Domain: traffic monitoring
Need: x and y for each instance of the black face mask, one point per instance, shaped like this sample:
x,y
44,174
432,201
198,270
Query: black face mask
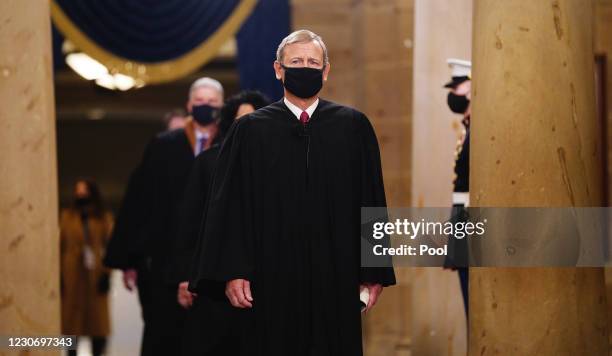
x,y
203,114
303,82
458,103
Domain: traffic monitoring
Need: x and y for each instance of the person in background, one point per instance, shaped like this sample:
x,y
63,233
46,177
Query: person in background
x,y
85,229
209,314
458,100
175,119
134,209
192,207
163,174
245,102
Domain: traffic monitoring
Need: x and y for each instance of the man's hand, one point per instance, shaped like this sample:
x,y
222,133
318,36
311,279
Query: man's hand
x,y
238,291
375,290
184,296
130,277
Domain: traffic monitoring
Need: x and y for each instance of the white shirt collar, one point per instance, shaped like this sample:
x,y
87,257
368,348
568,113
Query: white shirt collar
x,y
297,111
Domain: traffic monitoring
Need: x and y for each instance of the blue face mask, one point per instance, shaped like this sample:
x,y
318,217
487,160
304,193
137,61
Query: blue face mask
x,y
203,114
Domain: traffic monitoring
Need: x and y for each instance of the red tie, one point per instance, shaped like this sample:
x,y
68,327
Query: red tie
x,y
304,117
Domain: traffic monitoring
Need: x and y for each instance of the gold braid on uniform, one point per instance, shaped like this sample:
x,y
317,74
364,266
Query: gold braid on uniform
x,y
458,149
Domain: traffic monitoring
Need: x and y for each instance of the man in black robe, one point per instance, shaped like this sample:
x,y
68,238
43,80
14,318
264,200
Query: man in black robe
x,y
121,252
123,244
210,313
163,173
282,225
193,204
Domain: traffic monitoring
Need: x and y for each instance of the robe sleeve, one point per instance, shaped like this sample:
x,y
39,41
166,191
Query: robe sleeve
x,y
372,193
191,216
225,249
121,251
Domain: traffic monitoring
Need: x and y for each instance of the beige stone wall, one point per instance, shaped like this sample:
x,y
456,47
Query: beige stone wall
x,y
29,292
443,29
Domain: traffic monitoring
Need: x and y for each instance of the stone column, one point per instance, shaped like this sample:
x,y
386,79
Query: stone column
x,y
603,46
29,252
535,142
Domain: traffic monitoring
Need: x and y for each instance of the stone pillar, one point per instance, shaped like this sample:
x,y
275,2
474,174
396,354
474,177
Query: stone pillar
x,y
29,253
535,142
603,46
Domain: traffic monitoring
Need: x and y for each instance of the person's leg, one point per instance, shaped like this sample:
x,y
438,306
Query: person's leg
x,y
98,345
208,328
164,328
144,291
174,317
74,352
145,296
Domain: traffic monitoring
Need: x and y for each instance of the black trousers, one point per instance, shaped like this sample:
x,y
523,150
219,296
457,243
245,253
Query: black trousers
x,y
214,327
458,254
165,322
145,297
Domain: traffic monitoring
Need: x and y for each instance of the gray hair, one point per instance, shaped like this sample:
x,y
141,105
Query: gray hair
x,y
206,82
301,36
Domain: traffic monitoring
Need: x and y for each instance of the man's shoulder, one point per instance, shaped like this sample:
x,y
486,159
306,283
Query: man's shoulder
x,y
325,108
209,154
344,112
168,138
171,135
262,117
336,108
275,109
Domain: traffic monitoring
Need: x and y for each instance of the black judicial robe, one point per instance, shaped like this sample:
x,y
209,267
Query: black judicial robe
x,y
126,240
190,215
127,237
211,316
132,212
284,213
167,169
123,250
